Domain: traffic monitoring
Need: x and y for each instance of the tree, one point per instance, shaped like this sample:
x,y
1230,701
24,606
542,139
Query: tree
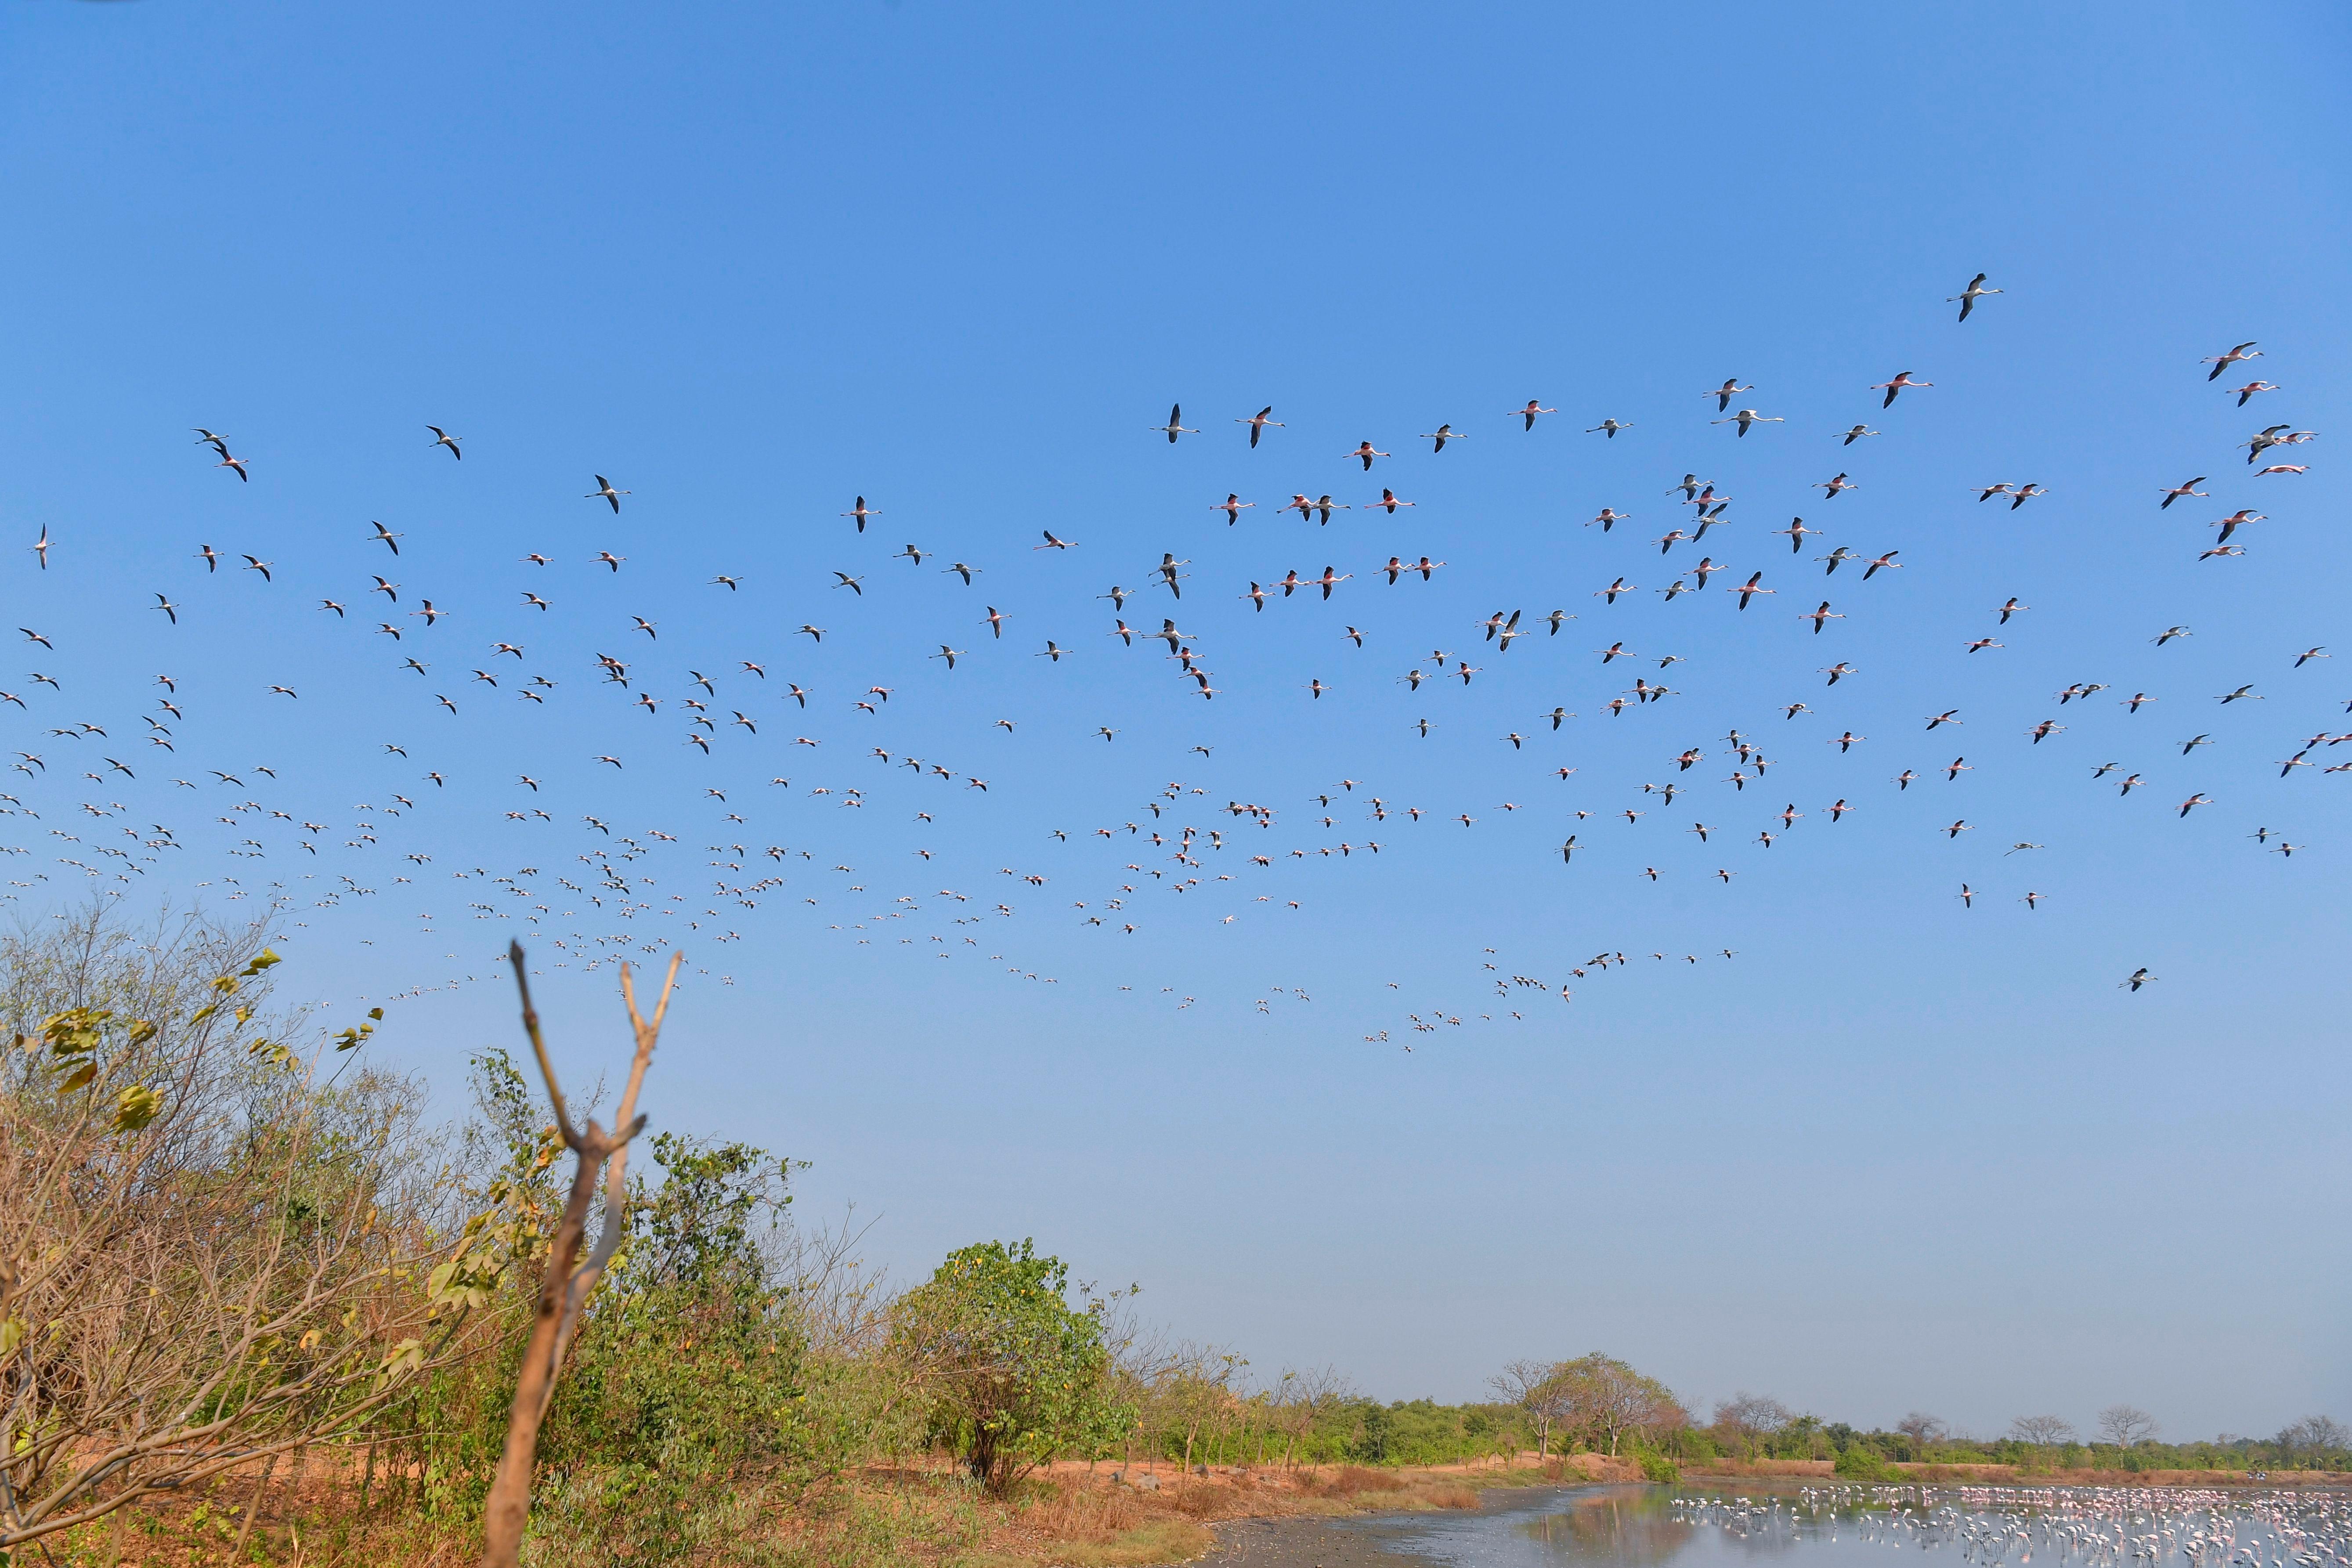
x,y
2126,1425
1922,1429
1608,1399
1374,1424
2314,1435
1012,1373
1195,1391
1302,1399
1750,1418
1535,1387
2042,1431
215,1248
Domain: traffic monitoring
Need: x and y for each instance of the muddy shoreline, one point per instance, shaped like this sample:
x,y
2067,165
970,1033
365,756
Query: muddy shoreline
x,y
1303,1543
1361,1540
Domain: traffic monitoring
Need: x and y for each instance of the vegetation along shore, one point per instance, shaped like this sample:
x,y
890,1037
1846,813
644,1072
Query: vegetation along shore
x,y
255,1306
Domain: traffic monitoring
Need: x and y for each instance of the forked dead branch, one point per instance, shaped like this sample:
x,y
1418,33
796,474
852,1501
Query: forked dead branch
x,y
565,1288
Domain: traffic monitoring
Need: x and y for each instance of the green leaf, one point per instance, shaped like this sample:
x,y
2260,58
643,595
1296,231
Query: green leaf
x,y
75,1031
79,1076
135,1107
403,1357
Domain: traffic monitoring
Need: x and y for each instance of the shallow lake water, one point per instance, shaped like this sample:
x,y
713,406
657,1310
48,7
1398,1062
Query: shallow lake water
x,y
1852,1527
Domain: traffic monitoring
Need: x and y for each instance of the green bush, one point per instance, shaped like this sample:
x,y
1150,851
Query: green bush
x,y
1372,1441
1656,1467
1016,1374
1861,1462
685,1379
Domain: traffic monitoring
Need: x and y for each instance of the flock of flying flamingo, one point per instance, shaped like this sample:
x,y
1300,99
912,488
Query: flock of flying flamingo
x,y
1187,838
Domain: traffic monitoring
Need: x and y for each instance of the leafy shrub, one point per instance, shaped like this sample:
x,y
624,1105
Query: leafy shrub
x,y
1015,1373
1372,1444
1861,1462
685,1379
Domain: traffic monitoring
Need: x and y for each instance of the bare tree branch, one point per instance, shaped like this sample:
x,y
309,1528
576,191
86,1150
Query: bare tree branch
x,y
565,1288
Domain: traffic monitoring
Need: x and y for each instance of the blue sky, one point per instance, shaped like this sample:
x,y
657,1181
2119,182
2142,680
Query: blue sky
x,y
1899,1152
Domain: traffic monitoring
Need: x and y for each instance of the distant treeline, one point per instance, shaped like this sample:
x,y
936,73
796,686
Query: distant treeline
x,y
1358,1430
1552,1409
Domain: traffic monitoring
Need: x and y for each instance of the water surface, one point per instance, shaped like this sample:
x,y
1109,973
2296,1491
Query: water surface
x,y
1852,1527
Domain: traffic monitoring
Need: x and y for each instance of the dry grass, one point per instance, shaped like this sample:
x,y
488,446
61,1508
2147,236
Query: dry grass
x,y
1157,1541
322,1527
1095,1513
1099,1523
1163,1541
1351,1480
916,1516
1578,1467
1088,1521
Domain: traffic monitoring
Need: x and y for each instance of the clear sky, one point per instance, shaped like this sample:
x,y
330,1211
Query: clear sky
x,y
1898,1152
